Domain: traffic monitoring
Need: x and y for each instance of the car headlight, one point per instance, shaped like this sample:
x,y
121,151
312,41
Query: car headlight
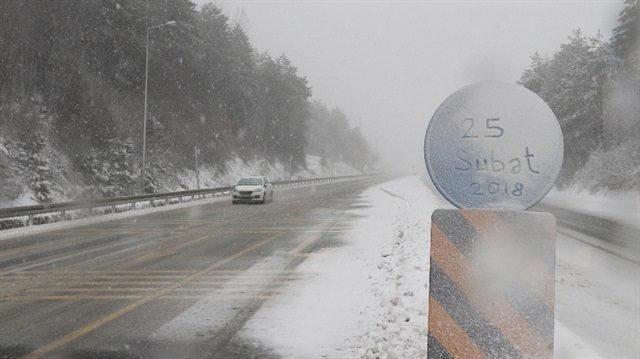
x,y
257,190
235,190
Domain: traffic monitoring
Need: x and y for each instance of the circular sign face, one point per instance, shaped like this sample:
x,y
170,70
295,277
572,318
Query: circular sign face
x,y
493,146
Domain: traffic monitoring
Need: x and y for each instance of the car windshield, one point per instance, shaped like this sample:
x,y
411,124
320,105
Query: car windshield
x,y
250,181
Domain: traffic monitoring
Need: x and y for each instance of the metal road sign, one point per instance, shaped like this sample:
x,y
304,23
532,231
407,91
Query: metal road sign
x,y
491,284
493,146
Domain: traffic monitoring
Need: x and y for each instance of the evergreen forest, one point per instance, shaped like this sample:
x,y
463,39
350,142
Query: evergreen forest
x,y
74,75
593,87
73,80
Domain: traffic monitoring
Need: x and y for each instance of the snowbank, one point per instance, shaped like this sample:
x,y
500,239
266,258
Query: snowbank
x,y
211,177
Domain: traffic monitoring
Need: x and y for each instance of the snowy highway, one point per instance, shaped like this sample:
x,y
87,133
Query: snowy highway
x,y
451,179
326,271
171,284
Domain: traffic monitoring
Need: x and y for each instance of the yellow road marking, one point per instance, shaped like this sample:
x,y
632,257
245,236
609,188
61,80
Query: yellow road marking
x,y
297,251
238,287
143,273
129,297
113,281
68,297
201,296
69,272
225,231
162,292
55,243
270,221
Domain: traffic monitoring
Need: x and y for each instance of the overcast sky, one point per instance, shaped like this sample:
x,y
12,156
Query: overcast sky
x,y
389,64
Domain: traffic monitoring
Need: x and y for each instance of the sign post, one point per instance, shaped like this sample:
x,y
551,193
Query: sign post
x,y
493,150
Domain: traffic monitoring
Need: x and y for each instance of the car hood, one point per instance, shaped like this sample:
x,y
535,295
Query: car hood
x,y
248,188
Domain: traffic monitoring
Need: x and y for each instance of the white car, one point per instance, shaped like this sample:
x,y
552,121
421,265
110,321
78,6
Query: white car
x,y
255,189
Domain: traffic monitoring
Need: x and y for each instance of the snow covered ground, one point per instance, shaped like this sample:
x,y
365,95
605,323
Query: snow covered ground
x,y
236,168
368,298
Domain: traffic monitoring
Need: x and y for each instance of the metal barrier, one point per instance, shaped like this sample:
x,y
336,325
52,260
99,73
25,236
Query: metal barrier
x,y
613,236
63,207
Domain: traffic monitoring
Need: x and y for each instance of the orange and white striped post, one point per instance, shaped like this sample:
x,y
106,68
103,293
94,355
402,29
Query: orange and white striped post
x,y
491,284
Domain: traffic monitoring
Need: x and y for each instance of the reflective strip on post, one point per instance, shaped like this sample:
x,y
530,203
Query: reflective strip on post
x,y
491,284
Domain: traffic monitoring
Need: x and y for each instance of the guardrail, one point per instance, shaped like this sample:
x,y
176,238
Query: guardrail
x,y
110,203
610,235
613,236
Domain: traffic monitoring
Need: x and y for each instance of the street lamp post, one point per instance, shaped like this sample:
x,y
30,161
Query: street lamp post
x,y
197,152
144,124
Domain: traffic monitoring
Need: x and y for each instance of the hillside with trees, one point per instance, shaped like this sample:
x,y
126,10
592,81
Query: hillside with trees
x,y
72,81
333,139
593,87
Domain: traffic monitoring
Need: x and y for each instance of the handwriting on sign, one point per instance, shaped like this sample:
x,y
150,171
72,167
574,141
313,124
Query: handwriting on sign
x,y
466,162
493,145
515,190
